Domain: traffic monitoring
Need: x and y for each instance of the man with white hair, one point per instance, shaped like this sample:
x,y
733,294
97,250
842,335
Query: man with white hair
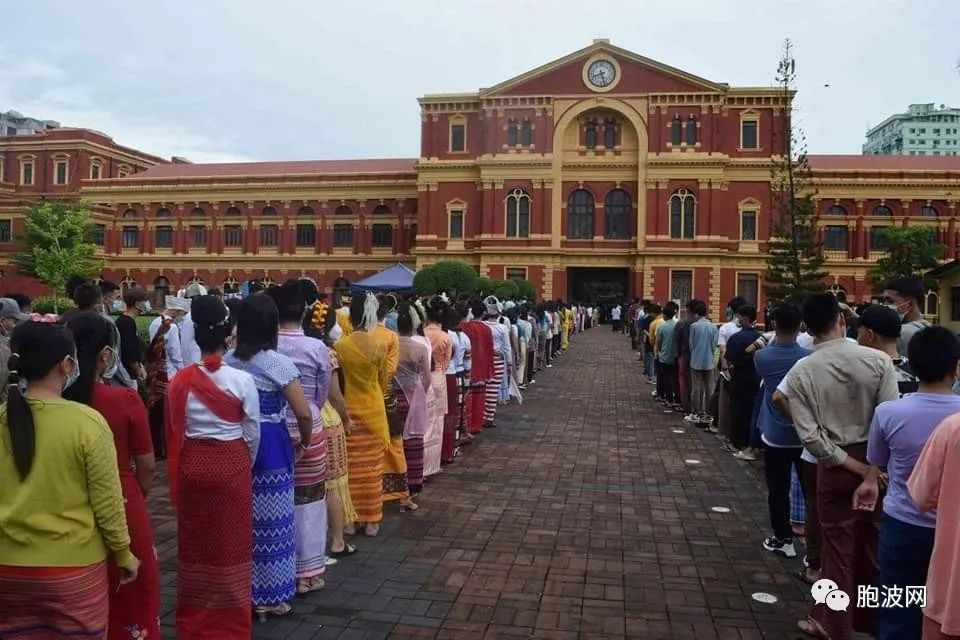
x,y
188,344
164,361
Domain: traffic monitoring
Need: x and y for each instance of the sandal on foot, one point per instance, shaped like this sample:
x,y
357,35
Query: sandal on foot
x,y
813,629
279,610
371,530
310,584
348,550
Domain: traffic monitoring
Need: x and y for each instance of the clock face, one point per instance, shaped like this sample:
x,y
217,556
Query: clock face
x,y
601,73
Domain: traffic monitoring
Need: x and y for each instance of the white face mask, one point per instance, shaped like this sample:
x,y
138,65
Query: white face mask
x,y
896,309
73,375
114,364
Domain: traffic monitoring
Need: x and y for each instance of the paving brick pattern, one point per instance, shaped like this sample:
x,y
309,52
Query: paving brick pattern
x,y
577,517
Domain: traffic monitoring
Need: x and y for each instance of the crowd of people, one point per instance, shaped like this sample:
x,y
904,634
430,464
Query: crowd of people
x,y
287,426
856,416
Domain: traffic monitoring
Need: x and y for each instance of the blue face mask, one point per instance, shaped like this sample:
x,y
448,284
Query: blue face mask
x,y
146,308
117,306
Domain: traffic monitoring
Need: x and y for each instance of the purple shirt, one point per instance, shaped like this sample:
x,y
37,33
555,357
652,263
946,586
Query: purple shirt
x,y
312,359
899,430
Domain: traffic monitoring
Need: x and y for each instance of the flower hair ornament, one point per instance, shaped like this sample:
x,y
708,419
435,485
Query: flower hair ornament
x,y
370,308
46,318
318,319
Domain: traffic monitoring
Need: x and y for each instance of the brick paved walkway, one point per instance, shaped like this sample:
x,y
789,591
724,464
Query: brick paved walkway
x,y
577,518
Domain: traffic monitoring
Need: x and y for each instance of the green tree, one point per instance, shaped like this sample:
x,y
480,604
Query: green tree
x,y
528,292
425,281
795,260
55,244
506,289
454,277
910,251
484,287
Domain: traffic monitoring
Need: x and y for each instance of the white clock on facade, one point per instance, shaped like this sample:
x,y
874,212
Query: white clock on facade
x,y
601,73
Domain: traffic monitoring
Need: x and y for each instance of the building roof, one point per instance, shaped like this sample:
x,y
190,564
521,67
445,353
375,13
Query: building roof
x,y
944,270
283,168
883,163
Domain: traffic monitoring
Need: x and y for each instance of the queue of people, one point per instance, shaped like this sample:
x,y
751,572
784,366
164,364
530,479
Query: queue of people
x,y
856,419
286,427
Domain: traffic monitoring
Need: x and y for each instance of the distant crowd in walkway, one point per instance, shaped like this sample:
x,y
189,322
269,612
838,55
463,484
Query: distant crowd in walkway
x,y
287,426
857,420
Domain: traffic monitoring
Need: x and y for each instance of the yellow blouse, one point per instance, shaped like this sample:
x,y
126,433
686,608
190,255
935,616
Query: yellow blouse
x,y
363,360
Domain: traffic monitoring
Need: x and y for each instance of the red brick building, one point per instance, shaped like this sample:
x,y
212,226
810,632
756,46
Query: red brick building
x,y
602,171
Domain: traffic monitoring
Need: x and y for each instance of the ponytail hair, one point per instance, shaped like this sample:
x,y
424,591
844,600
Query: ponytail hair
x,y
91,333
36,348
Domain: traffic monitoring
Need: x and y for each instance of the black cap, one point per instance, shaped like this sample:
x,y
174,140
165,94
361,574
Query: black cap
x,y
881,320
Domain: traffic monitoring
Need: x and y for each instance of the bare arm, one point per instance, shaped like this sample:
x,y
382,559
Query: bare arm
x,y
335,396
781,403
145,465
293,392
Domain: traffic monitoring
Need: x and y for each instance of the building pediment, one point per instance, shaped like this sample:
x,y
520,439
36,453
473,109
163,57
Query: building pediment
x,y
631,74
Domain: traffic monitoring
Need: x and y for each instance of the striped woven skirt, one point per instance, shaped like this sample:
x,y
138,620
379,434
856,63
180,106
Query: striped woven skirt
x,y
436,411
337,477
493,390
365,455
274,546
395,471
310,504
215,548
48,603
413,453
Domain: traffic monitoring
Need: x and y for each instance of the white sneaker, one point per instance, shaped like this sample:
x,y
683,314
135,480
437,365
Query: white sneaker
x,y
780,547
692,417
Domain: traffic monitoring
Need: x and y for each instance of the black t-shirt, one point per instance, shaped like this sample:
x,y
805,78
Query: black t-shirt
x,y
129,342
743,371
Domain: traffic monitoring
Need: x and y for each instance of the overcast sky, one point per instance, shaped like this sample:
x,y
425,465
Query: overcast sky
x,y
218,80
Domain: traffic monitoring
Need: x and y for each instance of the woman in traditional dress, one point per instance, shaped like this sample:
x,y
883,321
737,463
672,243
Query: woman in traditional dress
x,y
453,420
480,371
312,360
413,382
213,431
394,461
502,359
363,360
442,352
278,385
135,607
53,570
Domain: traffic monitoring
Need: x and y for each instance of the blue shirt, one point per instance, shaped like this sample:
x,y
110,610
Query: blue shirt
x,y
666,336
898,433
772,363
703,345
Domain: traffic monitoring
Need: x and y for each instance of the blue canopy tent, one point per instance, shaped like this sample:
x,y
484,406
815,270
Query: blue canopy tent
x,y
397,278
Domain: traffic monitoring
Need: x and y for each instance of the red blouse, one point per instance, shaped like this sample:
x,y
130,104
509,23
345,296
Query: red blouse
x,y
124,411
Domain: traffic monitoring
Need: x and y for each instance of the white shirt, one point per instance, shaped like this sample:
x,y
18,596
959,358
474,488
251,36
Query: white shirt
x,y
456,355
501,340
465,362
188,344
201,423
171,345
615,313
727,329
805,340
784,388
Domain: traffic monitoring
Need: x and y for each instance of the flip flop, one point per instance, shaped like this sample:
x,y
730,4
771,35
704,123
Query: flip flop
x,y
812,628
348,550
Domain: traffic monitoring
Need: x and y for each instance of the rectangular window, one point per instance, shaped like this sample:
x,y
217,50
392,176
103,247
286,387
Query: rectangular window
x,y
198,236
26,173
748,230
60,172
456,224
526,133
131,237
458,137
95,172
11,131
6,231
306,235
836,238
343,235
748,287
516,273
163,236
98,234
233,236
955,303
268,235
748,134
681,286
877,241
382,235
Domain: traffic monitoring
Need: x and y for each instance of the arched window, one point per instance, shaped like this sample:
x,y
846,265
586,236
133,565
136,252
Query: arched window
x,y
306,231
518,214
268,212
305,211
233,212
683,212
343,210
526,133
513,133
676,131
927,211
591,134
580,214
691,131
164,213
882,210
836,210
381,210
129,213
127,283
610,133
197,213
616,214
233,233
231,286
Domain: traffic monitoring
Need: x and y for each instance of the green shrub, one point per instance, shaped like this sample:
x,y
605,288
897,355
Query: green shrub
x,y
47,304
